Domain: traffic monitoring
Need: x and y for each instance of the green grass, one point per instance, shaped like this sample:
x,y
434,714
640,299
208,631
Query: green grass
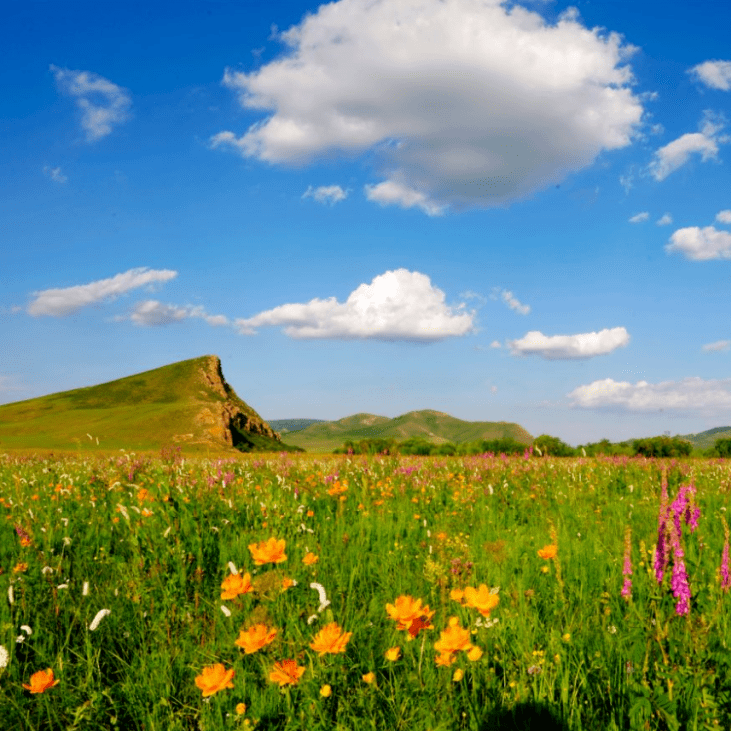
x,y
151,540
434,426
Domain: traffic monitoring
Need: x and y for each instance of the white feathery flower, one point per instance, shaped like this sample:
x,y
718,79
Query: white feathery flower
x,y
232,568
323,595
99,616
20,639
26,629
226,611
167,531
11,594
312,618
85,589
66,541
4,657
46,570
62,586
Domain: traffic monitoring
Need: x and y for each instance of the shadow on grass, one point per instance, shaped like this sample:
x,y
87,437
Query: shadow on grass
x,y
524,717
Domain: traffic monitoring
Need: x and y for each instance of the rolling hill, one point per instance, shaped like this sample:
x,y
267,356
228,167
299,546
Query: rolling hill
x,y
188,403
434,426
706,439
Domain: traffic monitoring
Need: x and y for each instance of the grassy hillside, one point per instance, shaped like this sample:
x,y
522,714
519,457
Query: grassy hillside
x,y
187,403
704,440
288,425
434,426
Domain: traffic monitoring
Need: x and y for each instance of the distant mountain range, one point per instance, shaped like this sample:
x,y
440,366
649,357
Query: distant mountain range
x,y
706,439
434,426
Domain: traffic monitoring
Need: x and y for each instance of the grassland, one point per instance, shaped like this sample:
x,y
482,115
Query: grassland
x,y
433,426
562,643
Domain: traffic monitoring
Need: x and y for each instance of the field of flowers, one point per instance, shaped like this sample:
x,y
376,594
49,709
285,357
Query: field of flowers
x,y
299,592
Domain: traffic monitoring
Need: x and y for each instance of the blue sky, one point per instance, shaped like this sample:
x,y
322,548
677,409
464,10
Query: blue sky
x,y
516,212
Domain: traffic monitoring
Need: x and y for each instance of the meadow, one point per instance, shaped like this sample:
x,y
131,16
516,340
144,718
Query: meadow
x,y
348,592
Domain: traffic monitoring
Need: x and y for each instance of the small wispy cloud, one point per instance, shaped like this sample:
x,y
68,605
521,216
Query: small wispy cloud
x,y
103,104
495,344
570,347
63,301
718,347
723,216
393,192
510,300
639,217
55,174
329,194
152,313
714,74
665,220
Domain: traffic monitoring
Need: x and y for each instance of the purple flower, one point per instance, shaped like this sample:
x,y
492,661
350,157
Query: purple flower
x,y
725,576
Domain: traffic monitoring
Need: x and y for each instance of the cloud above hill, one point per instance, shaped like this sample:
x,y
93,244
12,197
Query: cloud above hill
x,y
462,103
690,394
396,305
64,301
570,347
152,313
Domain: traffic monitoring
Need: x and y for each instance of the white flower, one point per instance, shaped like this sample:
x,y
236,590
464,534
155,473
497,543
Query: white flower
x,y
225,610
85,589
99,616
4,657
312,618
20,639
46,570
232,568
26,629
323,596
66,541
11,594
62,586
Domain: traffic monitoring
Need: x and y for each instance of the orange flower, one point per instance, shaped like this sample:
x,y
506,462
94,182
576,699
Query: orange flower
x,y
310,513
445,659
337,488
214,678
481,599
287,582
369,678
456,595
235,584
271,551
19,568
326,691
330,639
393,654
474,654
454,638
286,672
41,681
309,559
410,614
548,551
254,638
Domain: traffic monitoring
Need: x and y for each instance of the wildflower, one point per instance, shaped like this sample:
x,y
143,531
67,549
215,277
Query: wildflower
x,y
286,672
369,678
326,691
330,639
254,638
393,654
41,681
723,571
214,678
310,559
454,638
456,595
410,615
98,618
226,611
445,659
240,709
269,551
548,551
566,637
4,657
474,654
19,568
627,568
458,675
287,583
320,589
482,599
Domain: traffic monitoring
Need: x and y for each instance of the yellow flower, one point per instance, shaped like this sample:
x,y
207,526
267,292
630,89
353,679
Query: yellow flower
x,y
326,691
410,615
474,654
458,675
481,599
369,678
548,551
286,672
235,584
456,595
286,583
544,569
330,639
445,658
269,551
19,568
566,637
310,513
309,559
41,681
393,654
214,678
241,708
254,638
454,638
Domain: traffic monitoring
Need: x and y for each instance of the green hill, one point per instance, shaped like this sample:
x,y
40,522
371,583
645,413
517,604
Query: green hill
x,y
187,403
706,439
287,425
433,426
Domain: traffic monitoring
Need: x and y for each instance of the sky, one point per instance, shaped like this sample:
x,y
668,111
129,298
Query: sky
x,y
503,211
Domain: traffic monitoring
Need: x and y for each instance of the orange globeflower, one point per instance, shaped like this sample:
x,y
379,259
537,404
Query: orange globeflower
x,y
254,638
409,614
41,681
393,654
286,672
457,595
548,551
481,599
454,638
271,551
214,678
236,584
330,639
310,558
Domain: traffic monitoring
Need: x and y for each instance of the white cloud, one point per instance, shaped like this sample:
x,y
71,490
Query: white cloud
x,y
569,347
55,174
665,220
639,217
326,194
715,74
677,153
151,313
495,344
690,394
700,244
396,305
723,216
513,303
717,347
103,104
465,103
60,302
